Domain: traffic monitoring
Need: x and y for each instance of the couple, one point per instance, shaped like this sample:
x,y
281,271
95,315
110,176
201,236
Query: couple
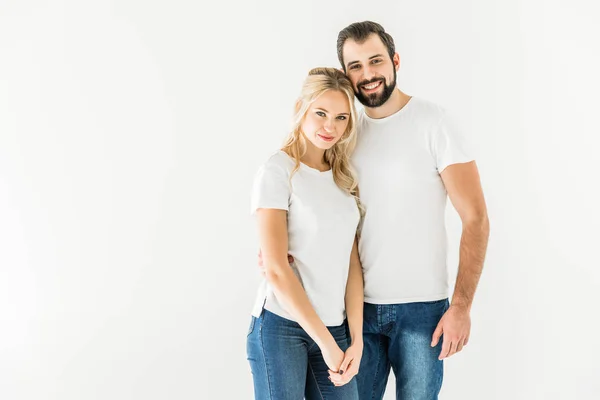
x,y
323,313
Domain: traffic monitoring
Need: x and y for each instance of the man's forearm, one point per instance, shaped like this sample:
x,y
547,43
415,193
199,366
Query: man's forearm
x,y
473,246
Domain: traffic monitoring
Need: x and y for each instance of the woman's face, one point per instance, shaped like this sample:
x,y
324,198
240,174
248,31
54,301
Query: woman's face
x,y
326,119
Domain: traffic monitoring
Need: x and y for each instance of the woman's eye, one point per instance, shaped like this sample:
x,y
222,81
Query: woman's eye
x,y
320,113
342,117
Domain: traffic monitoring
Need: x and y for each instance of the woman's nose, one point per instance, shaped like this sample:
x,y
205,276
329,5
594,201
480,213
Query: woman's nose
x,y
329,127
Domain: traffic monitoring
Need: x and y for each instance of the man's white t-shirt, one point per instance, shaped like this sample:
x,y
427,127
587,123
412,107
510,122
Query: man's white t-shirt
x,y
403,237
322,221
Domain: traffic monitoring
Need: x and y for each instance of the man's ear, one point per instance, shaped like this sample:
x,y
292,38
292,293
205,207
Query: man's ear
x,y
396,61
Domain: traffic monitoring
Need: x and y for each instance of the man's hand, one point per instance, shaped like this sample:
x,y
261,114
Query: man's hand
x,y
456,327
349,366
260,261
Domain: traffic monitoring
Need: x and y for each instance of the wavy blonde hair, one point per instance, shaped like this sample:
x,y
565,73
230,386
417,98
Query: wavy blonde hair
x,y
318,81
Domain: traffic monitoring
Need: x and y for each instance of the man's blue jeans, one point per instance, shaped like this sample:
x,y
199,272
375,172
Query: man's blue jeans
x,y
288,365
399,336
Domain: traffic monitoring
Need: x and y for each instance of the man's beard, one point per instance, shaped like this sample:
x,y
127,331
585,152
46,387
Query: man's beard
x,y
376,99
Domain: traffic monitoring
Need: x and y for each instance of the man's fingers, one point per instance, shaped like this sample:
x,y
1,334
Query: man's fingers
x,y
453,347
335,376
445,348
460,345
341,379
341,382
436,335
336,379
260,260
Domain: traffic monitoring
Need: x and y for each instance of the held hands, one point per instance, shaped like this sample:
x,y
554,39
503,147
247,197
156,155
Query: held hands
x,y
342,366
455,325
349,366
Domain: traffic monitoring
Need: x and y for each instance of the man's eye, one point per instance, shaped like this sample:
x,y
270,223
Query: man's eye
x,y
355,67
376,61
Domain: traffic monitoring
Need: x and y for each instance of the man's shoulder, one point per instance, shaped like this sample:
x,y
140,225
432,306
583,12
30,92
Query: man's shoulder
x,y
426,109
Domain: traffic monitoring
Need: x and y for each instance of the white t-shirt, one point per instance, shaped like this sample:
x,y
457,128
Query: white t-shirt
x,y
403,238
322,221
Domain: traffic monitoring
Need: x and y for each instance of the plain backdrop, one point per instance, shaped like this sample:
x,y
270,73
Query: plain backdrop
x,y
130,132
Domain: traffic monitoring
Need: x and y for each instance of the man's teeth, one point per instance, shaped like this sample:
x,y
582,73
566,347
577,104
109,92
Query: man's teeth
x,y
371,86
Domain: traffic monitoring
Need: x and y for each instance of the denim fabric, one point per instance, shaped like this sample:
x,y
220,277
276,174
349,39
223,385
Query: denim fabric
x,y
399,336
287,364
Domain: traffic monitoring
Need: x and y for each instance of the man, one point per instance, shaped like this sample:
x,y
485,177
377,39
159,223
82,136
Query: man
x,y
408,160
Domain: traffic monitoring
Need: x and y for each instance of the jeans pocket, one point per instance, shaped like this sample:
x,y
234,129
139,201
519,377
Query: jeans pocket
x,y
251,327
340,336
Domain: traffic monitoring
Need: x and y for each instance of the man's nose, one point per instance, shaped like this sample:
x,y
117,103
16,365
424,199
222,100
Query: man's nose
x,y
368,74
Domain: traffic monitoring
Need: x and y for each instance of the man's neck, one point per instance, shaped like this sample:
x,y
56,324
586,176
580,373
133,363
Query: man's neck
x,y
395,103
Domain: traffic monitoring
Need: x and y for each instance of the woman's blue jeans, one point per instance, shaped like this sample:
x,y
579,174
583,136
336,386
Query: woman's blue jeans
x,y
288,365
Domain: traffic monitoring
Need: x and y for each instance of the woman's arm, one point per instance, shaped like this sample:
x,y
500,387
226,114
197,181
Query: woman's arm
x,y
355,297
273,238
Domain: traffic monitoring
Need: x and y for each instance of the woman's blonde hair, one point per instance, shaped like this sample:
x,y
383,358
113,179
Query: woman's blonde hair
x,y
318,81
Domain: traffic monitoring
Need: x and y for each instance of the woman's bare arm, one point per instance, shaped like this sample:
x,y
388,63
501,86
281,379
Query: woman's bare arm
x,y
273,237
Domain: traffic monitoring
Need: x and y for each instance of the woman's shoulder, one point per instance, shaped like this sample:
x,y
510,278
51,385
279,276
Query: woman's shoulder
x,y
280,160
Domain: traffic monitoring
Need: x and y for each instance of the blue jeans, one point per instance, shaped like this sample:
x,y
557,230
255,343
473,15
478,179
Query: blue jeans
x,y
399,336
288,365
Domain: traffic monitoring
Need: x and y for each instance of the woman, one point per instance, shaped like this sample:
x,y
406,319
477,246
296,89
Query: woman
x,y
305,201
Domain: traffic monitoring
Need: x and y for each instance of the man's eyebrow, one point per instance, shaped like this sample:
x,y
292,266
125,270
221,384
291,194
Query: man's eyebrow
x,y
370,58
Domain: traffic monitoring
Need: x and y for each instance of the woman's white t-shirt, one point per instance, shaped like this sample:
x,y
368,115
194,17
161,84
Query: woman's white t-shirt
x,y
322,221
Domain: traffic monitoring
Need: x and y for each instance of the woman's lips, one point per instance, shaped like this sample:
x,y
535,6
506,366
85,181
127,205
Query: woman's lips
x,y
325,138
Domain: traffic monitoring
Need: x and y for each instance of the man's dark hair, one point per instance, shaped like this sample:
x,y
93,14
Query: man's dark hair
x,y
360,32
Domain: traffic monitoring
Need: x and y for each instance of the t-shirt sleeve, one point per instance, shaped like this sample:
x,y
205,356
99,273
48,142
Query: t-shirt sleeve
x,y
449,145
271,188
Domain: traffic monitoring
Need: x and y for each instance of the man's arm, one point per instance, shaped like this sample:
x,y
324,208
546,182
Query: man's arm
x,y
464,190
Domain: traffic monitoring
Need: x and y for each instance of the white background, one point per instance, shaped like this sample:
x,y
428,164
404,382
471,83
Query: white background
x,y
129,135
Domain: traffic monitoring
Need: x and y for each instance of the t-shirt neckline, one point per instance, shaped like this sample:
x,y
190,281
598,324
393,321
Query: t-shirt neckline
x,y
307,168
385,119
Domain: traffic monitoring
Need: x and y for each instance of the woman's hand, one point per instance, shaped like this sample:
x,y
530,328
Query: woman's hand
x,y
349,366
333,355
